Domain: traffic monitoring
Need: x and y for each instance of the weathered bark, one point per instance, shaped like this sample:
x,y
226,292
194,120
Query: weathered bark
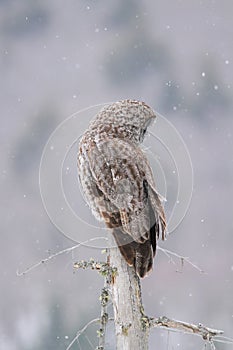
x,y
127,305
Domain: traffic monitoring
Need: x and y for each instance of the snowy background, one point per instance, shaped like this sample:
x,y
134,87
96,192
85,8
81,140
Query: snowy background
x,y
59,57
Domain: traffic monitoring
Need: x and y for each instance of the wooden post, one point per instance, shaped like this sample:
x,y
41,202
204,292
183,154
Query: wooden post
x,y
127,305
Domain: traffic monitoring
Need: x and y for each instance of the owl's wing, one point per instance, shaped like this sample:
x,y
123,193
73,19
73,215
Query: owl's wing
x,y
90,190
92,194
120,172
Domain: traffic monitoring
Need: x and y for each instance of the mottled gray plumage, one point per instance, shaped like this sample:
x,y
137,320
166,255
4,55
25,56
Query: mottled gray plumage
x,y
118,183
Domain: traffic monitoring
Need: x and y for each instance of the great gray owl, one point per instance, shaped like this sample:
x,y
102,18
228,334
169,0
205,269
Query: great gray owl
x,y
118,183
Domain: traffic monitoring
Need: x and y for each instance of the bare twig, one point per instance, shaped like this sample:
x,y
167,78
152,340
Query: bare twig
x,y
209,335
104,300
182,259
67,250
102,267
105,269
224,340
80,332
205,332
109,273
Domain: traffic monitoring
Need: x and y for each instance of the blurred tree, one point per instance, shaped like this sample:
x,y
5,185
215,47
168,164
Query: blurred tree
x,y
124,13
171,96
24,18
61,331
212,95
136,56
30,144
139,54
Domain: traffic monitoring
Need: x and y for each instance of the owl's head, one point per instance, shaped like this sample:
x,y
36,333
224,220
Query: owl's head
x,y
127,119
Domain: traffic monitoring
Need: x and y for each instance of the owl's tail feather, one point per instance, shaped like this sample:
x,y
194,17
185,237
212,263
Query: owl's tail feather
x,y
138,255
143,259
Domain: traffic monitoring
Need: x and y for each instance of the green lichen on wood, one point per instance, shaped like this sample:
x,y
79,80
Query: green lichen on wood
x,y
104,296
103,268
125,328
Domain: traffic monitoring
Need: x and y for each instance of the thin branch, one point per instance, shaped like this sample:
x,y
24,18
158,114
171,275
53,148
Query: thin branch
x,y
210,335
104,300
101,332
167,252
109,273
182,259
206,333
225,340
205,346
102,267
67,250
212,346
81,331
89,342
